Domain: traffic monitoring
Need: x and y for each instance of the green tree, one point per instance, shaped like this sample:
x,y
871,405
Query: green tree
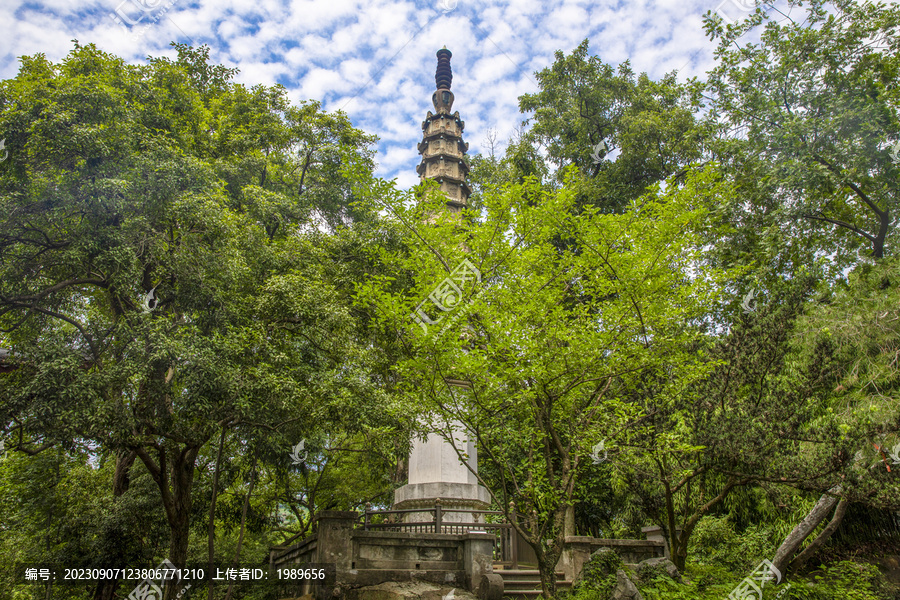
x,y
537,362
158,279
817,103
854,319
586,110
760,415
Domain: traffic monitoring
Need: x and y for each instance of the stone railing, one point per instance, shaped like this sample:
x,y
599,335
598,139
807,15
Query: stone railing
x,y
369,557
386,546
300,553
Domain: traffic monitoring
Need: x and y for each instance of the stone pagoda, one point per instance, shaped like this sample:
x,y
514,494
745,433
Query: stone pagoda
x,y
442,148
436,473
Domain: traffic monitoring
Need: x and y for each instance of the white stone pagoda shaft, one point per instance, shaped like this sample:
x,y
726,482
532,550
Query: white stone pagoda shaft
x,y
436,472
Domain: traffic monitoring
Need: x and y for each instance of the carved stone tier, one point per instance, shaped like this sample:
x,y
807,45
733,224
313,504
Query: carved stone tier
x,y
437,474
442,148
463,496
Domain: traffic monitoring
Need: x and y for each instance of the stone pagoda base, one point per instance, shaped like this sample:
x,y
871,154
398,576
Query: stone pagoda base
x,y
465,496
436,474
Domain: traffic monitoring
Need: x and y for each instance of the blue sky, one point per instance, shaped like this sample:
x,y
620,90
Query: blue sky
x,y
375,59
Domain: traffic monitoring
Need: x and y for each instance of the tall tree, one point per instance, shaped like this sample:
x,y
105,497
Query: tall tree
x,y
817,102
586,113
537,359
759,415
155,281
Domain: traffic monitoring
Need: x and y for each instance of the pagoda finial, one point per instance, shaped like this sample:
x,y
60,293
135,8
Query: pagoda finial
x,y
443,76
442,148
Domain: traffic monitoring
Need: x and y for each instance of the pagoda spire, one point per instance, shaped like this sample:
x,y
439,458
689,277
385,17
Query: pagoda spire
x,y
442,148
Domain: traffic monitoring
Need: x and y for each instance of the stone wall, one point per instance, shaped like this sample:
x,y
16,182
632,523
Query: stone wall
x,y
365,558
298,554
578,550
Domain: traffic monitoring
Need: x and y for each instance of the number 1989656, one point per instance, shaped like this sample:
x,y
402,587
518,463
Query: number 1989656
x,y
301,574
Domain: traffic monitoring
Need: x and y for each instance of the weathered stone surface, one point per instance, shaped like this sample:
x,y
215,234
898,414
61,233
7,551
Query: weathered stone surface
x,y
491,587
890,566
409,591
652,567
602,564
625,588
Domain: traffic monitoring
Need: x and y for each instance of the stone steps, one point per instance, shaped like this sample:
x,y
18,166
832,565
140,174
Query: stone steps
x,y
525,584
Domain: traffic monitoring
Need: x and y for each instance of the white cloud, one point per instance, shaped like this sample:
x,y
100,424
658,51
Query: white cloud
x,y
376,59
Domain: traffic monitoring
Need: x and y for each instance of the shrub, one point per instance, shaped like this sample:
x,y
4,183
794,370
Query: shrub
x,y
845,580
704,576
598,576
715,542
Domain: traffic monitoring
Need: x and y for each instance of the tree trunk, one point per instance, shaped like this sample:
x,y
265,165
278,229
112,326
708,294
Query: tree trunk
x,y
50,516
546,560
106,588
122,476
795,538
678,540
176,501
823,537
547,567
211,537
182,481
678,543
237,553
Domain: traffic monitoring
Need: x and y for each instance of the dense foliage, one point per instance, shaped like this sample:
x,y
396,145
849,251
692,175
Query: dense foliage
x,y
670,304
